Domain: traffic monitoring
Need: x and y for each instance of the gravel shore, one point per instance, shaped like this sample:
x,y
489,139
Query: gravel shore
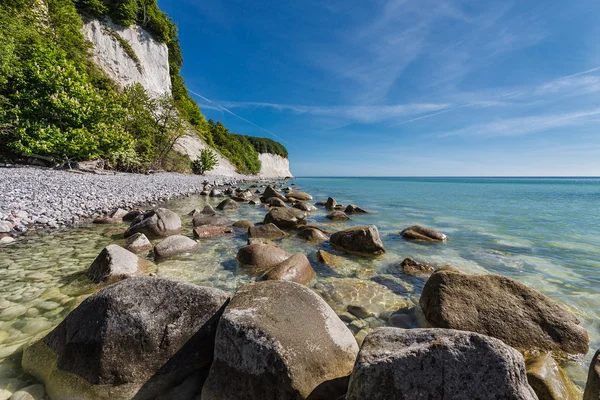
x,y
45,198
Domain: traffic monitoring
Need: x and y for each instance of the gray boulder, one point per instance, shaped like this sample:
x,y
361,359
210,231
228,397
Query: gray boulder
x,y
360,239
156,223
286,218
175,245
138,243
503,308
297,269
228,205
437,364
423,234
134,339
267,231
278,340
114,262
260,258
592,386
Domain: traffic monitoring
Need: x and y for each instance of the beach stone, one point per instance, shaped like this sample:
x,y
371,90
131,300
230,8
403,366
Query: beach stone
x,y
286,218
592,386
270,192
503,308
352,209
261,257
297,269
299,196
243,224
156,223
207,231
548,380
8,386
32,392
228,205
212,220
114,262
119,214
208,210
304,206
176,245
360,239
275,202
338,216
278,340
412,267
133,339
330,204
437,364
5,227
312,234
138,243
423,234
267,231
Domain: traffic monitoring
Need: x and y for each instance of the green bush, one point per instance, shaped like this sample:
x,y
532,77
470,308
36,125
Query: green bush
x,y
206,161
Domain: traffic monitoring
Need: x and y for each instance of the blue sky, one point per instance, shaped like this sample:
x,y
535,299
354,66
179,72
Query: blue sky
x,y
403,87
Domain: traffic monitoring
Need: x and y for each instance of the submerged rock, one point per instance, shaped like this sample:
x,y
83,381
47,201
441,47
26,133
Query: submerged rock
x,y
286,218
548,380
592,386
360,239
297,269
503,308
138,243
176,245
156,223
228,205
208,231
267,231
327,258
134,339
423,234
114,262
338,216
278,340
437,364
352,209
412,267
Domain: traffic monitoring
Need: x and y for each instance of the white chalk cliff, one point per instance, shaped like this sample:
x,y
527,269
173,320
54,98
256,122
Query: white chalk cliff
x,y
152,72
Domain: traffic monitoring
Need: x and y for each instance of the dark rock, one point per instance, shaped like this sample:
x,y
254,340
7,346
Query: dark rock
x,y
213,220
412,267
423,234
338,216
278,340
503,308
358,311
208,231
138,243
228,205
360,239
437,364
175,245
131,215
243,223
548,380
321,203
114,262
330,204
352,209
270,192
286,218
267,231
260,258
313,234
134,339
297,269
592,386
156,223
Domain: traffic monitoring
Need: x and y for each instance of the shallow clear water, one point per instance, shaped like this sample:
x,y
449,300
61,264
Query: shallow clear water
x,y
543,232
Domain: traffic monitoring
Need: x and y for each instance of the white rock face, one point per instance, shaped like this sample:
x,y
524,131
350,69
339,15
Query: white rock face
x,y
274,166
108,53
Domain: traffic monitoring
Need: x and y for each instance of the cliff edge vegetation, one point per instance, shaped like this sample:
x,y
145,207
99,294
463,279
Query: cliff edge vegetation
x,y
55,102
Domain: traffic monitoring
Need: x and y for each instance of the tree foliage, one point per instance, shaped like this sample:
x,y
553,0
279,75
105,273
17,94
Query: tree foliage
x,y
206,161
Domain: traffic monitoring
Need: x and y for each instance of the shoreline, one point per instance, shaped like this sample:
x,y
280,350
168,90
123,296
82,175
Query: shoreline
x,y
38,198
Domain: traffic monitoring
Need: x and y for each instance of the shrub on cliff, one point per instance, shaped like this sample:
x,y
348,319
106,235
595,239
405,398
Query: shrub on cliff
x,y
206,161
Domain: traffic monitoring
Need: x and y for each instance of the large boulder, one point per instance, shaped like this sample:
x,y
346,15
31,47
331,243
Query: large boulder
x,y
360,239
286,218
212,220
278,340
297,269
267,231
156,223
423,234
133,339
592,386
548,380
228,205
114,262
299,196
175,246
261,257
138,243
503,308
437,364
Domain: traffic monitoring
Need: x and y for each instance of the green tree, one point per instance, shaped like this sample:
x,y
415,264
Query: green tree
x,y
206,161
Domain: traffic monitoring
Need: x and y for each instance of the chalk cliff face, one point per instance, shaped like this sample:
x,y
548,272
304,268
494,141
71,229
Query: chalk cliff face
x,y
274,166
152,71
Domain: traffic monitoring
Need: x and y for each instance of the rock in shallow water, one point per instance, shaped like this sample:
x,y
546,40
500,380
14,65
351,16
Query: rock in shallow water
x,y
360,239
286,218
176,245
592,386
261,257
267,231
138,243
503,308
156,223
137,337
437,364
423,234
297,269
548,380
277,340
114,262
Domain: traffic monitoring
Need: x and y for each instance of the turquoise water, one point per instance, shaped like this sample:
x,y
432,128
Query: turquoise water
x,y
542,232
